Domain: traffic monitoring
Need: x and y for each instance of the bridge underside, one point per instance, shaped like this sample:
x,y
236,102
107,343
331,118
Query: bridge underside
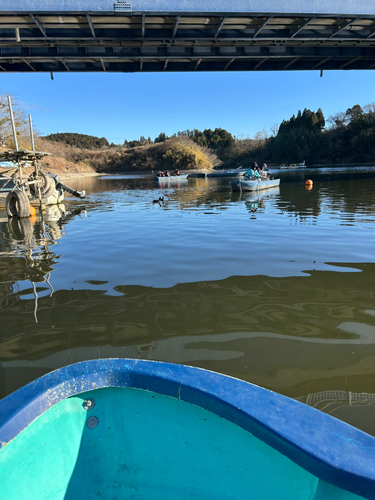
x,y
149,42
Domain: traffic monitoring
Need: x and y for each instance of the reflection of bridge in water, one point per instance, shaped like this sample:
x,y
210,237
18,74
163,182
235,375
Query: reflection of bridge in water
x,y
328,401
190,35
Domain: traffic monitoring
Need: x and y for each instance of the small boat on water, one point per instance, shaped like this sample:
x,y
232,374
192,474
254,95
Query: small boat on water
x,y
125,428
163,179
294,165
254,184
225,173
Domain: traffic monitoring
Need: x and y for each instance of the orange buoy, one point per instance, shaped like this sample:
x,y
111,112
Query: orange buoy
x,y
309,182
32,215
308,187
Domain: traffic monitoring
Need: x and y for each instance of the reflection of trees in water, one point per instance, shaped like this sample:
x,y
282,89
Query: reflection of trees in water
x,y
340,193
284,311
8,295
332,191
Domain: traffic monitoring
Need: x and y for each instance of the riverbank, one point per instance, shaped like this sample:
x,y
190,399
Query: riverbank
x,y
65,176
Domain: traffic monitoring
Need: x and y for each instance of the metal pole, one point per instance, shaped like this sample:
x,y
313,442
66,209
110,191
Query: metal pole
x,y
13,126
31,134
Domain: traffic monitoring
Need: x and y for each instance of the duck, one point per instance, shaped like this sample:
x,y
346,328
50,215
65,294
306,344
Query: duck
x,y
160,200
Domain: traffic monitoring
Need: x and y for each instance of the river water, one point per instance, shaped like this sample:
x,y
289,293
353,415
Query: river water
x,y
276,288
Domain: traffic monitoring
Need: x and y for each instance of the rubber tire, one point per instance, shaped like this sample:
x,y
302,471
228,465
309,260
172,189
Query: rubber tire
x,y
47,187
17,204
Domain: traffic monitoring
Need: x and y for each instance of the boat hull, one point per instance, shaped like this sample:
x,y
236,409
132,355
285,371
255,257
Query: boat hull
x,y
226,173
139,429
254,185
172,178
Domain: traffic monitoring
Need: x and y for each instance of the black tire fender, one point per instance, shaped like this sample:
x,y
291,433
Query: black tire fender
x,y
17,204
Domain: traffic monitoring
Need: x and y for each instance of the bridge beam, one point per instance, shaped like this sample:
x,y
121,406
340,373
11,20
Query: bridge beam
x,y
91,25
184,41
39,24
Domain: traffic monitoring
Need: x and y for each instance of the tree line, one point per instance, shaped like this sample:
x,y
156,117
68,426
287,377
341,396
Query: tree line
x,y
345,137
81,141
306,136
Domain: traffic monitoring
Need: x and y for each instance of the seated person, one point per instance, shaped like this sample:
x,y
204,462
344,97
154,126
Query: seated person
x,y
176,172
252,173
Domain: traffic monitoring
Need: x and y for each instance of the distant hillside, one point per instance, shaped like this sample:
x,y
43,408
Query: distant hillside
x,y
81,141
177,152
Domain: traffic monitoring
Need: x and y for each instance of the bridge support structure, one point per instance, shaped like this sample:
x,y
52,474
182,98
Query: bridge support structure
x,y
119,36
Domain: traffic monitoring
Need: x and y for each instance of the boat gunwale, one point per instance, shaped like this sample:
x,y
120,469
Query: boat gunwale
x,y
172,177
256,184
336,452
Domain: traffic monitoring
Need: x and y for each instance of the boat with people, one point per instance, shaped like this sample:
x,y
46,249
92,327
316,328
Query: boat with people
x,y
162,177
131,428
254,184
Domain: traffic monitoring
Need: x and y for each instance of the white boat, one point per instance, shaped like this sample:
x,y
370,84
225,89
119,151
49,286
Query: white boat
x,y
225,173
294,165
171,178
253,184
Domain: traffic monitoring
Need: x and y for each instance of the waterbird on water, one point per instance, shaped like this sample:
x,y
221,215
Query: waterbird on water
x,y
160,200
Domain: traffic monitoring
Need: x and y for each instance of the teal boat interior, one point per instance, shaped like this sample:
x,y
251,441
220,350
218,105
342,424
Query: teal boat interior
x,y
110,429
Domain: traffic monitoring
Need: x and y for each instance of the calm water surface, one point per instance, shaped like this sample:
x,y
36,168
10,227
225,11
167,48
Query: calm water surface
x,y
277,289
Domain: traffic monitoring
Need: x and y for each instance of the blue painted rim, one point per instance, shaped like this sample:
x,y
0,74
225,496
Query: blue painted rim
x,y
328,448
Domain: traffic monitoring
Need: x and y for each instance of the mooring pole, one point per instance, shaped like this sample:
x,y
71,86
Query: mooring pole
x,y
13,126
31,134
36,166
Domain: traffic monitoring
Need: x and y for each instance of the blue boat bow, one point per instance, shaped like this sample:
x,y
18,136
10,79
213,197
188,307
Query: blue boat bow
x,y
332,460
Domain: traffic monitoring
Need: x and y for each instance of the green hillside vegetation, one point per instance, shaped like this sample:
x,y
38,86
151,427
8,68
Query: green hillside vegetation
x,y
349,138
80,141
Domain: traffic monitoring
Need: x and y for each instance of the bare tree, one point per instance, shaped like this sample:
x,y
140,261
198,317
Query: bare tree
x,y
337,120
21,124
274,130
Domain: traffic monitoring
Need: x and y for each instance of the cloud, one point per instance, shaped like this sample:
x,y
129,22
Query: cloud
x,y
30,106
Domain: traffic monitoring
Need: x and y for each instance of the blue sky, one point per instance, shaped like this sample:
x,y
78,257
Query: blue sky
x,y
122,106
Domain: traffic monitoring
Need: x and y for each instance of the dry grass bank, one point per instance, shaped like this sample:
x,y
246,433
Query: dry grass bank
x,y
180,152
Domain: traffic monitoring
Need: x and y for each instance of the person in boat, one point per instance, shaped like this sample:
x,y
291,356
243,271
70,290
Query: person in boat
x,y
252,172
263,171
176,172
160,174
167,173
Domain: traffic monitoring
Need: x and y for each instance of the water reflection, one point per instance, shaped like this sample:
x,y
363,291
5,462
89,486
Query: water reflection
x,y
284,299
284,334
26,254
258,199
